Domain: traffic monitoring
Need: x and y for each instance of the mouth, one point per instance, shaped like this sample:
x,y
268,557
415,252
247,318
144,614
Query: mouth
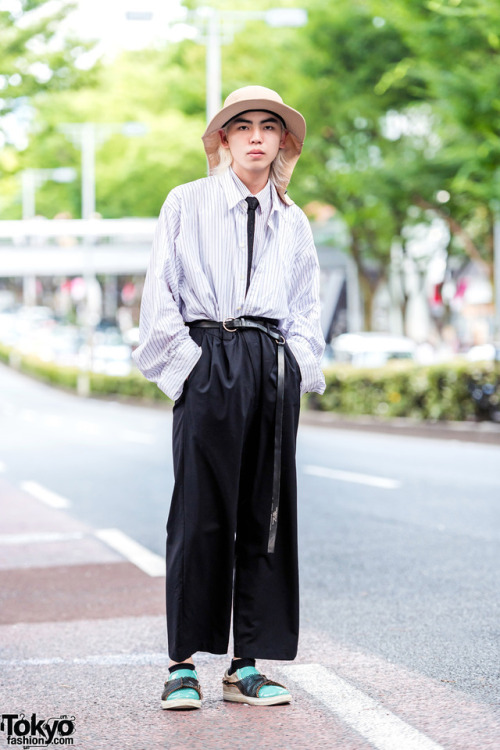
x,y
256,152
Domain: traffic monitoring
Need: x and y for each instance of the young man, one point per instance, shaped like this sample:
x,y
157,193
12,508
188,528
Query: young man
x,y
230,331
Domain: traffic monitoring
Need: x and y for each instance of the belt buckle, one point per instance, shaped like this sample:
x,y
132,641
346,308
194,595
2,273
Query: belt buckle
x,y
229,330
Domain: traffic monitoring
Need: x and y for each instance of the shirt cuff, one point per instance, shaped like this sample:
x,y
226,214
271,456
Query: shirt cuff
x,y
310,371
174,375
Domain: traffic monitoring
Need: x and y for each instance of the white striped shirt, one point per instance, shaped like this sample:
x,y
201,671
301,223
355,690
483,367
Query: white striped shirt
x,y
198,269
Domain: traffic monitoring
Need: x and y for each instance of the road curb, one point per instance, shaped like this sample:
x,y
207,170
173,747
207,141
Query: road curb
x,y
472,432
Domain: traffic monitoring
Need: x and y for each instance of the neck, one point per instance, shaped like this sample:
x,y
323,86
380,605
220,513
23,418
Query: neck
x,y
254,181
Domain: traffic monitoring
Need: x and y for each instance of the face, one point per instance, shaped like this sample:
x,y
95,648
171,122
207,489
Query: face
x,y
254,139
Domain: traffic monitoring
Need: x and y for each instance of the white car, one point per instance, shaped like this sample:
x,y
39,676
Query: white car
x,y
369,349
483,353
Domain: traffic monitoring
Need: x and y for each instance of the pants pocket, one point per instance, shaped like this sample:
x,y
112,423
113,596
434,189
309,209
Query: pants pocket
x,y
292,361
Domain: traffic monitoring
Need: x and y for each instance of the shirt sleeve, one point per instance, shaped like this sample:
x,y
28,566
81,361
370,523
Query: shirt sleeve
x,y
166,353
302,327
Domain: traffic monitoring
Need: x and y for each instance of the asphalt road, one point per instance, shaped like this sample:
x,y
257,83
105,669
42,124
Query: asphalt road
x,y
399,539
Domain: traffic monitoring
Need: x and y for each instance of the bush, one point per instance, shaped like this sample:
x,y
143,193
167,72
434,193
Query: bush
x,y
131,386
451,391
4,354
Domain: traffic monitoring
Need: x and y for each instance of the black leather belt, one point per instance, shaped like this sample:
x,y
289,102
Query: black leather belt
x,y
266,325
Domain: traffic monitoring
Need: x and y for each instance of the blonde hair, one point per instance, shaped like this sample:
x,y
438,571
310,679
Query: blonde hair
x,y
277,173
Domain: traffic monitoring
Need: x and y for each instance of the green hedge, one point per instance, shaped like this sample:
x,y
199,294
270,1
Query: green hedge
x,y
437,392
130,386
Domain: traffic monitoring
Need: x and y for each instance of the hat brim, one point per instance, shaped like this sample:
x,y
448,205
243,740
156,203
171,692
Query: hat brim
x,y
294,122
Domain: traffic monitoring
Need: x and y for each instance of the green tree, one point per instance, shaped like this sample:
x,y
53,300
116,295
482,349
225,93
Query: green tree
x,y
454,46
133,174
403,111
34,57
348,160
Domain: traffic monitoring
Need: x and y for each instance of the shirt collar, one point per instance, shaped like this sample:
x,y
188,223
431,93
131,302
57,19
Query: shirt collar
x,y
236,191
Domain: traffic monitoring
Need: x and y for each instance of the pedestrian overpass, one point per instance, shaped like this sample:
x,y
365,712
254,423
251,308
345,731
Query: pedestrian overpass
x,y
74,247
32,248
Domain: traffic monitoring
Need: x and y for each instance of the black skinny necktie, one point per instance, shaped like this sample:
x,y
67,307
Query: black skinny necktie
x,y
252,205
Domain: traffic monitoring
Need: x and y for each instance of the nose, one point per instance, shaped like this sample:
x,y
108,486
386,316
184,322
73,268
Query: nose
x,y
256,136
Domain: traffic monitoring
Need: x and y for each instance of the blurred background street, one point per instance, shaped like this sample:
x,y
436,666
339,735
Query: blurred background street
x,y
102,107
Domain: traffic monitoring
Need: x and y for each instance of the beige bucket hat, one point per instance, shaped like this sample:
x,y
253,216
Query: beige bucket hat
x,y
251,98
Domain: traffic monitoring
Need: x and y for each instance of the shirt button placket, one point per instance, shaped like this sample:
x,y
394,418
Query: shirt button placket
x,y
243,269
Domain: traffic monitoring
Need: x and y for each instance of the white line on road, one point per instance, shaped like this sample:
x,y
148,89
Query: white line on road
x,y
149,562
13,539
96,660
130,436
349,476
28,415
383,729
88,428
140,659
53,420
46,496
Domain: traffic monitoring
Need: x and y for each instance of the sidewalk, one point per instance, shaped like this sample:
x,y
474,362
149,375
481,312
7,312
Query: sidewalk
x,y
84,650
83,641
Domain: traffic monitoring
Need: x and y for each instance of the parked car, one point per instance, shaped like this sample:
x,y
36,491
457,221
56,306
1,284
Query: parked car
x,y
369,349
107,353
484,353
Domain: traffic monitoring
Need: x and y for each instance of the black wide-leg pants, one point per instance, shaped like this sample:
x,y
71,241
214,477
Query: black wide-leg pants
x,y
218,525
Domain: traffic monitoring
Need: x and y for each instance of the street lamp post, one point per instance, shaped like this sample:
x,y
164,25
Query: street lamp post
x,y
34,178
213,65
87,136
31,179
88,145
217,27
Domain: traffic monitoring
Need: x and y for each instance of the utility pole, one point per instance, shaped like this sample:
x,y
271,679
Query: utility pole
x,y
496,280
213,65
216,27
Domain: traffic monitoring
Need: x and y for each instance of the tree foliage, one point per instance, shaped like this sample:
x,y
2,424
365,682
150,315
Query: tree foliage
x,y
34,57
401,99
404,121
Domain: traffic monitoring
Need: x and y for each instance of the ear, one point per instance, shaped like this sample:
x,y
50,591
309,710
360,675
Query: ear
x,y
283,138
223,139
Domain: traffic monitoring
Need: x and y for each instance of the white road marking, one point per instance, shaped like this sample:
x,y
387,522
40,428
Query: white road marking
x,y
28,415
53,420
379,726
88,428
130,436
349,476
96,660
13,539
140,659
149,562
46,496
